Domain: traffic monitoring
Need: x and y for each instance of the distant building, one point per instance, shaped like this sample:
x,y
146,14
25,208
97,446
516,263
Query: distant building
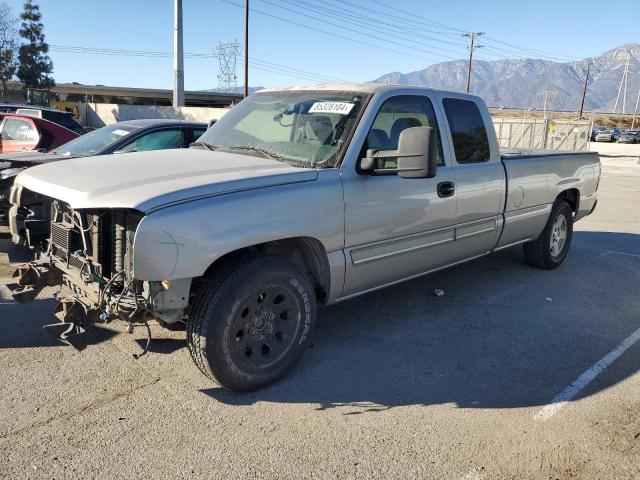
x,y
77,92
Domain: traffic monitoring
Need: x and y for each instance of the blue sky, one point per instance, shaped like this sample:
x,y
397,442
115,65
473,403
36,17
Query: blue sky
x,y
386,38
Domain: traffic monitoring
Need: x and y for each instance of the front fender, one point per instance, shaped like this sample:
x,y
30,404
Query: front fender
x,y
182,241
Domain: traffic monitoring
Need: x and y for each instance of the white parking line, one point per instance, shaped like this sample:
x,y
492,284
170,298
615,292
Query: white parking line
x,y
583,380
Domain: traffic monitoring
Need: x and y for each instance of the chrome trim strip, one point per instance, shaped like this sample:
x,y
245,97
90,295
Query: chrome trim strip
x,y
397,252
477,232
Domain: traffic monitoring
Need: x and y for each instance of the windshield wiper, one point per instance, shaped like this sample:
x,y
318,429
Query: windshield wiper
x,y
265,153
206,145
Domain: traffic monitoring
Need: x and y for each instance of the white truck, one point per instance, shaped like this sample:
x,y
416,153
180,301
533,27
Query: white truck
x,y
296,197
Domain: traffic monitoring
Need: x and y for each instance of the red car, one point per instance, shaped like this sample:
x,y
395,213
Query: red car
x,y
19,133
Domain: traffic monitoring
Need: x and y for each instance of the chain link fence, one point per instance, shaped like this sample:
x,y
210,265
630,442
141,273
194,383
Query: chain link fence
x,y
542,134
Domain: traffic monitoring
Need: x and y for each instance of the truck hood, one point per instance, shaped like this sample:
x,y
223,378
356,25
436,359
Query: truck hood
x,y
149,180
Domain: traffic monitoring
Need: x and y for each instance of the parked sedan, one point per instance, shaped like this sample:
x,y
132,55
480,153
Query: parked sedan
x,y
128,136
595,131
630,136
19,133
609,135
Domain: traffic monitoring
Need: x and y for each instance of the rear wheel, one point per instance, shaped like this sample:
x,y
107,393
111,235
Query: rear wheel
x,y
550,249
252,322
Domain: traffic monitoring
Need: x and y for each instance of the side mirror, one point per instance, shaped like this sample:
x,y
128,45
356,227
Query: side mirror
x,y
415,153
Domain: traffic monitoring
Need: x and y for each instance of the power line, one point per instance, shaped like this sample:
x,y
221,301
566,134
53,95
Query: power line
x,y
371,24
264,64
412,17
344,11
331,34
532,51
366,33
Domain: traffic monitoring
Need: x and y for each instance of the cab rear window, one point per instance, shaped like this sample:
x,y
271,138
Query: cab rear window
x,y
470,141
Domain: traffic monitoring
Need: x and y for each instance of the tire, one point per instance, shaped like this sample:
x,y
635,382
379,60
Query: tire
x,y
551,247
251,322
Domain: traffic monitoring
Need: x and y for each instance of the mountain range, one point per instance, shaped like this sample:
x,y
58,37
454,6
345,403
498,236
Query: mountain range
x,y
520,83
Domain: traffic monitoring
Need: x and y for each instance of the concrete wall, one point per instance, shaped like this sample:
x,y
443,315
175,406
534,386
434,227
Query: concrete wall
x,y
98,115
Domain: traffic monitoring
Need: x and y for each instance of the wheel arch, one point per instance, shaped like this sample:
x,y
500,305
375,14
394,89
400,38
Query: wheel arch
x,y
572,197
307,253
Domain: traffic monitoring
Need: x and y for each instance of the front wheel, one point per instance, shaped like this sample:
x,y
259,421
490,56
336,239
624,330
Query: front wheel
x,y
551,247
251,323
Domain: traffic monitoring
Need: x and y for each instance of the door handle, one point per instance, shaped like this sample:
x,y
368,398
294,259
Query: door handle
x,y
446,189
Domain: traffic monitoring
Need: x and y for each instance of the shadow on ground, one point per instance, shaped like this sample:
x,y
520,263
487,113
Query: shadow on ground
x,y
504,335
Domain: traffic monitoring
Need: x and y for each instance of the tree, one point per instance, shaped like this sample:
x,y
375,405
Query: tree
x,y
35,65
8,46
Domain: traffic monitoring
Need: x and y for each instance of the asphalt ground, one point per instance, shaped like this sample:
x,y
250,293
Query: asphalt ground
x,y
514,373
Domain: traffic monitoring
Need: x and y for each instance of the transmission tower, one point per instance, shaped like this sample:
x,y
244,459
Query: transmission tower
x,y
546,92
227,59
623,81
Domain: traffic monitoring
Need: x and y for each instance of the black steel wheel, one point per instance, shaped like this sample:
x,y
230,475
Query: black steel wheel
x,y
263,326
251,323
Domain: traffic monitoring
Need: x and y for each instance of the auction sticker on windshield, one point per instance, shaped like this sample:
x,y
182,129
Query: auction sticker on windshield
x,y
342,108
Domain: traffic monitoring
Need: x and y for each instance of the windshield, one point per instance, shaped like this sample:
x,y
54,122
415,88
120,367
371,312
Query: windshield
x,y
303,128
94,142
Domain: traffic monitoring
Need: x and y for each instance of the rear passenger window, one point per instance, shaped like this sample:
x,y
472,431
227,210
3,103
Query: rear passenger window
x,y
394,116
470,141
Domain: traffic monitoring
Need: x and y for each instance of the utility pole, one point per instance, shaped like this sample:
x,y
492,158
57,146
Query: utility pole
x,y
246,48
178,57
635,111
472,45
584,92
623,81
546,92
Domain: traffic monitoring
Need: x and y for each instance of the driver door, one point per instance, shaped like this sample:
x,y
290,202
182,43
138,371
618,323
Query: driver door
x,y
396,228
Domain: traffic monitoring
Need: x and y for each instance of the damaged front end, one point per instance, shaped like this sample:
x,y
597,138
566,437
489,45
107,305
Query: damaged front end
x,y
89,254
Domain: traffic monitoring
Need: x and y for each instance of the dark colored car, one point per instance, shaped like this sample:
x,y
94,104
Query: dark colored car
x,y
128,136
54,115
630,136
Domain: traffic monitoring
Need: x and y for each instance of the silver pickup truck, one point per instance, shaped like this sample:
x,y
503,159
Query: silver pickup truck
x,y
297,197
